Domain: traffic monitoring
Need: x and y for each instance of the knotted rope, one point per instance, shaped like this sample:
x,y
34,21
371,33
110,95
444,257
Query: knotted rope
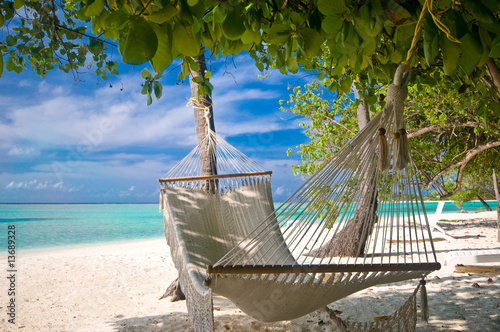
x,y
441,26
204,105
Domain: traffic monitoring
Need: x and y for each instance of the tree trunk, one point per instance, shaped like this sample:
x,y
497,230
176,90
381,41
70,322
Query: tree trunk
x,y
497,196
351,240
486,206
494,73
204,120
362,112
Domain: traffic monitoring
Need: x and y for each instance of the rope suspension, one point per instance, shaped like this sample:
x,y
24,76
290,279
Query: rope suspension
x,y
441,26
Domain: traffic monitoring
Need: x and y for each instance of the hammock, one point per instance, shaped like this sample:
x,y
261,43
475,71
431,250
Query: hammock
x,y
354,224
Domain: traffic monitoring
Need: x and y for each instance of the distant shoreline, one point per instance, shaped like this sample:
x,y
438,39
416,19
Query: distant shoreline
x,y
145,203
90,247
78,203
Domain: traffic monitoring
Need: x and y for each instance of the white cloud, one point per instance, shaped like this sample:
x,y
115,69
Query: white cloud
x,y
280,190
20,151
62,116
104,142
38,185
25,83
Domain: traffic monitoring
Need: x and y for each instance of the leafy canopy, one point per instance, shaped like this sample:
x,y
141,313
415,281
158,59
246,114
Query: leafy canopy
x,y
360,37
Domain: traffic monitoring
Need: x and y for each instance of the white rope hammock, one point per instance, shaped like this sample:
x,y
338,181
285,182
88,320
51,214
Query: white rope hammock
x,y
354,224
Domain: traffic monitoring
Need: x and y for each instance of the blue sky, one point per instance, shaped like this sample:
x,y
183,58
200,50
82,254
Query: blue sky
x,y
92,143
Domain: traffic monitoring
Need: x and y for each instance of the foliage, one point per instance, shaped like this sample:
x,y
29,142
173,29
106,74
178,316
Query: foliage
x,y
454,134
353,37
330,122
478,180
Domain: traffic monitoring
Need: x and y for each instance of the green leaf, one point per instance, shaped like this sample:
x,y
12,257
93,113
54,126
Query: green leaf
x,y
451,54
202,90
404,32
145,74
250,36
198,79
185,41
329,7
479,11
144,89
345,84
292,64
95,46
149,99
349,42
396,56
140,43
116,19
332,23
166,13
18,4
158,89
2,19
1,65
10,40
233,26
492,5
193,65
192,2
481,87
209,87
9,65
312,42
495,49
471,53
431,40
163,56
208,74
206,39
94,8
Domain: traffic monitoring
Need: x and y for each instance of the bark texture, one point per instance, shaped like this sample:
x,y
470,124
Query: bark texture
x,y
486,206
351,240
202,110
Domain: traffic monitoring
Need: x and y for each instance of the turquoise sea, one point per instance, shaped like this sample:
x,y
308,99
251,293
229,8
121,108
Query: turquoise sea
x,y
61,225
56,225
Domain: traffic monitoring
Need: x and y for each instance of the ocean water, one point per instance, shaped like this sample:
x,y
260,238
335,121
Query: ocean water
x,y
55,225
61,225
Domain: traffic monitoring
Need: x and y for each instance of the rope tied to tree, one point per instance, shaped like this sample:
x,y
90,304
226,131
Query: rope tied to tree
x,y
396,96
441,26
204,105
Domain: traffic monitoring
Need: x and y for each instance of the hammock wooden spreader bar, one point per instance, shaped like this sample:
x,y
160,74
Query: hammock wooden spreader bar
x,y
337,268
215,177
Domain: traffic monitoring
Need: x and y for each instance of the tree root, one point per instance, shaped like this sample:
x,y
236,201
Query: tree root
x,y
175,291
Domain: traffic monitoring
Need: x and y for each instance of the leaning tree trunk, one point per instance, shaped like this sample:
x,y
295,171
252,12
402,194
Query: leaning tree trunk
x,y
204,120
486,206
351,240
497,196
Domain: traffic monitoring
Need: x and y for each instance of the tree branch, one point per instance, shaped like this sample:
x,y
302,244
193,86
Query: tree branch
x,y
454,124
339,124
494,72
470,154
84,34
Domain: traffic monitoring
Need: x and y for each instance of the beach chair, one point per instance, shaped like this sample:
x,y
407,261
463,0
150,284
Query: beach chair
x,y
471,257
438,231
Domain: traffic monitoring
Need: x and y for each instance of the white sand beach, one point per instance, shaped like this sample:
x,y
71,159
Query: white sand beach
x,y
116,287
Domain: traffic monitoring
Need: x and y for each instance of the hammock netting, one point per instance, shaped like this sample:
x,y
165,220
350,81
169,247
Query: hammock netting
x,y
357,222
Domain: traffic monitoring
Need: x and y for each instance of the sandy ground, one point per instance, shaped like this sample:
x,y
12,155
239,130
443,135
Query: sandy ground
x,y
116,287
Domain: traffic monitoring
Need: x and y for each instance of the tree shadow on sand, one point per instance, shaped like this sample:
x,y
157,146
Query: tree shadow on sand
x,y
455,303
